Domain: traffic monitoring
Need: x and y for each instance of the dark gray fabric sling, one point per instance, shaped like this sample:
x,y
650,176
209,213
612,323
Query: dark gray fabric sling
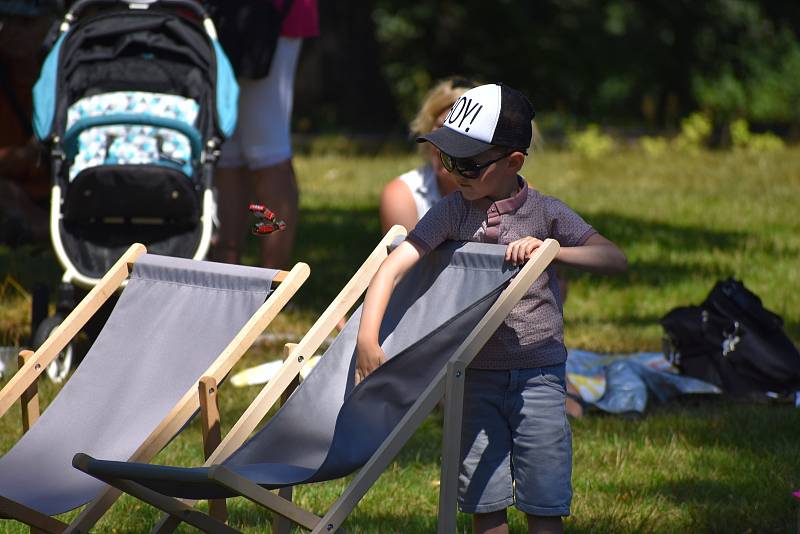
x,y
171,322
328,428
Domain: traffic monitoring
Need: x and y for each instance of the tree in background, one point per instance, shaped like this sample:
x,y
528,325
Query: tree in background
x,y
339,83
623,62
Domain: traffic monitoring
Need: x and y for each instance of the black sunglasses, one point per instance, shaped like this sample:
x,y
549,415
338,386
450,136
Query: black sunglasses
x,y
466,167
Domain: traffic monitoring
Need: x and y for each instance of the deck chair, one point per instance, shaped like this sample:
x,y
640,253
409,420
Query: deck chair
x,y
178,322
440,315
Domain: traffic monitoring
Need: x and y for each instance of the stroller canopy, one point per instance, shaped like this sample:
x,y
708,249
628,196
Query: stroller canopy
x,y
149,51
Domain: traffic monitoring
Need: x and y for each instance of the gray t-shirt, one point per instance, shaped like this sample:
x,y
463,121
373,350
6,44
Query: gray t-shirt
x,y
533,333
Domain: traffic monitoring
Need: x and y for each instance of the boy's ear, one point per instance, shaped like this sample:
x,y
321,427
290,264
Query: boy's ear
x,y
516,160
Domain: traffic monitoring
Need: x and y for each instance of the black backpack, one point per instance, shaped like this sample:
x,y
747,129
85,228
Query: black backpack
x,y
732,341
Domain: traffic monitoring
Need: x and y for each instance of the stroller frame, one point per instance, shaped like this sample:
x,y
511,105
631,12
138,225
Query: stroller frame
x,y
98,214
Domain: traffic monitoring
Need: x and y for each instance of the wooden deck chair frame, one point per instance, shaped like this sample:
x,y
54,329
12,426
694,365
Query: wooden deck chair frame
x,y
449,383
23,384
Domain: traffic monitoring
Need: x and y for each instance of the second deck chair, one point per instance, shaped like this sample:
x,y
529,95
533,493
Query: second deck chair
x,y
440,315
176,321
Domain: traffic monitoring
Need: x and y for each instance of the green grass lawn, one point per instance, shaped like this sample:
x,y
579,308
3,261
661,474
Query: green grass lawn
x,y
699,465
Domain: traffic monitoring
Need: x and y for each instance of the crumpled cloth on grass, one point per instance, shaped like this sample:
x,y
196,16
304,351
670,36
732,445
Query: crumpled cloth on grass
x,y
623,383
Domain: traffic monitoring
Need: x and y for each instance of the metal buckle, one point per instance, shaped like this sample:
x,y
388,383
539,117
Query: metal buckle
x,y
731,339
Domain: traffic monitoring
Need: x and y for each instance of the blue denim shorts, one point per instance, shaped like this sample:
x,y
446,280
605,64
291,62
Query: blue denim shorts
x,y
516,444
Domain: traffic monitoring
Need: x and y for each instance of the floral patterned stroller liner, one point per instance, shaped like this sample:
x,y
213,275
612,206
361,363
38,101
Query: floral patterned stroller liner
x,y
132,144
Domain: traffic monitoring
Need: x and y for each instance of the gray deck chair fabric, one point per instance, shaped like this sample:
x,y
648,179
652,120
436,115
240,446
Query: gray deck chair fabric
x,y
171,322
328,428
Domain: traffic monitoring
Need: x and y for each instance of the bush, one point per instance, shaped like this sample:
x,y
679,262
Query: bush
x,y
743,139
653,146
591,142
695,133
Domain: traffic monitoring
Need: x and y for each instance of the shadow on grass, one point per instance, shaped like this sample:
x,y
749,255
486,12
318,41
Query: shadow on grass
x,y
715,506
406,523
334,242
739,436
738,476
609,523
627,231
631,232
765,430
690,244
678,244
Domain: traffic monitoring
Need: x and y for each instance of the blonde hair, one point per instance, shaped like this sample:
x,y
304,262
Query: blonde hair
x,y
439,99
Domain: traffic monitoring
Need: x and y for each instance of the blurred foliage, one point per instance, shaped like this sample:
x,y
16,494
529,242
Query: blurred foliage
x,y
591,142
654,146
621,61
743,138
695,132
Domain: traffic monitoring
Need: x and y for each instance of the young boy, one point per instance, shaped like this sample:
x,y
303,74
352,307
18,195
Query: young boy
x,y
516,442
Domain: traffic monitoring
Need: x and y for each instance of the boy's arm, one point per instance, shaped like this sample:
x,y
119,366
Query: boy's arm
x,y
596,254
369,354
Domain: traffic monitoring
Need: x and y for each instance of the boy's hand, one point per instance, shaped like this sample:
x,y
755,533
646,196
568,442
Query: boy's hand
x,y
519,251
368,358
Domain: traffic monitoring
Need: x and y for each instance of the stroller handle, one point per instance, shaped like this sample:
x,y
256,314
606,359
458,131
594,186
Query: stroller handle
x,y
81,5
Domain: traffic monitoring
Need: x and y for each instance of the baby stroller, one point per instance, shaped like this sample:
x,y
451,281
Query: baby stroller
x,y
133,102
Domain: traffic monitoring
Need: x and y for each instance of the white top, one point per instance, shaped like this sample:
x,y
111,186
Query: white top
x,y
424,188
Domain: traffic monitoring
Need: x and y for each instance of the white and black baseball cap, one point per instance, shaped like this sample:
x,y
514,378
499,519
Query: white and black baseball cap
x,y
486,116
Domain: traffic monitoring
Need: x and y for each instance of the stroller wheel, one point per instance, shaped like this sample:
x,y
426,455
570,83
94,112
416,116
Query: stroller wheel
x,y
60,367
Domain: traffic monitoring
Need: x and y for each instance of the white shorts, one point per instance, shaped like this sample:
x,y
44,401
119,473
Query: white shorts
x,y
262,136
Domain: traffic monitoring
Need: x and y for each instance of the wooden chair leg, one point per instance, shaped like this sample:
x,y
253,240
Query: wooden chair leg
x,y
36,521
451,446
212,436
281,525
29,400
